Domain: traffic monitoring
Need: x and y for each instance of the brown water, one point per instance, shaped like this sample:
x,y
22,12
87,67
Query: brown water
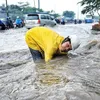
x,y
72,77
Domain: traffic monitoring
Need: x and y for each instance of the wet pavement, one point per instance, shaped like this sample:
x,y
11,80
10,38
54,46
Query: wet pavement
x,y
72,77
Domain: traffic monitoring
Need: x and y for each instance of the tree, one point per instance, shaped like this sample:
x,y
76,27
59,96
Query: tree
x,y
90,6
53,13
69,14
15,10
31,10
12,7
3,7
23,4
23,8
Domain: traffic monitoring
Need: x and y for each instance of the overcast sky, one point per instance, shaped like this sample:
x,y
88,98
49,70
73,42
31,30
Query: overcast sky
x,y
57,5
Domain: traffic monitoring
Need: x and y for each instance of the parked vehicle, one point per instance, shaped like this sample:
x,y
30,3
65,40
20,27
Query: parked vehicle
x,y
57,21
9,23
62,21
37,19
2,25
88,19
18,22
6,23
78,21
23,22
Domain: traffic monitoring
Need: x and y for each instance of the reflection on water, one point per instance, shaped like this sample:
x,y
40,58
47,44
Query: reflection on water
x,y
77,74
49,79
52,73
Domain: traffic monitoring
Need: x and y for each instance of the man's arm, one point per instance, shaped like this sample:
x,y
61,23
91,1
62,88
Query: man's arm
x,y
49,54
48,57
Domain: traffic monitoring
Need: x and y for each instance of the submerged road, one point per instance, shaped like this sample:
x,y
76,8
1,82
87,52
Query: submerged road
x,y
72,77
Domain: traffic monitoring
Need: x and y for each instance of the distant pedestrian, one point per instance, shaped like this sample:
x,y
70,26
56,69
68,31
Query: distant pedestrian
x,y
62,21
75,21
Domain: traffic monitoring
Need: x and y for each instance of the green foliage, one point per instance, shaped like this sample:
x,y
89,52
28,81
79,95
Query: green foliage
x,y
69,14
31,10
56,15
20,9
23,4
90,6
14,7
24,8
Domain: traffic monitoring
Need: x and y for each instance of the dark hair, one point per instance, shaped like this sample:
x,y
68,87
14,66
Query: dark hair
x,y
66,39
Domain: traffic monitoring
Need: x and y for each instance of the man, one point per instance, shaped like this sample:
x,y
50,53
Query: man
x,y
18,22
45,43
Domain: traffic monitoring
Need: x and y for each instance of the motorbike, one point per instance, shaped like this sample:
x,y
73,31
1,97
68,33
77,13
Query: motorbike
x,y
18,23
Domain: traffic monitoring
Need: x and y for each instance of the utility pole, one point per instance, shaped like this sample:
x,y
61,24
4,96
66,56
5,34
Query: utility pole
x,y
34,4
7,9
38,4
78,12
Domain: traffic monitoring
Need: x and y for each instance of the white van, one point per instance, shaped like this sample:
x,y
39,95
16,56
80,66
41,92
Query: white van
x,y
33,20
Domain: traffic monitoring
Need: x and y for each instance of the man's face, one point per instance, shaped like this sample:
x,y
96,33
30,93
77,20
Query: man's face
x,y
65,47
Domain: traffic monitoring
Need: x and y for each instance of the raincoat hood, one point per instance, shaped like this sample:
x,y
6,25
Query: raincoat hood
x,y
75,42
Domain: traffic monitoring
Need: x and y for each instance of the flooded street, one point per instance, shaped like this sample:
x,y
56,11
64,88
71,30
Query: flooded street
x,y
72,77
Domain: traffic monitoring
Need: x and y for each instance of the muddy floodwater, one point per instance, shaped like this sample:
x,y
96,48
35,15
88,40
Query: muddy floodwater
x,y
72,77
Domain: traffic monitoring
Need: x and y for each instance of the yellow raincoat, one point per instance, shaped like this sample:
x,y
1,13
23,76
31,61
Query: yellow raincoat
x,y
44,40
